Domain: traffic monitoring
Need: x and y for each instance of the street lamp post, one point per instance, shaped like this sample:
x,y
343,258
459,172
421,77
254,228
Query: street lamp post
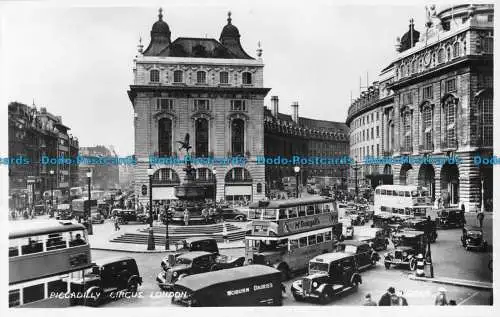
x,y
215,187
356,167
51,172
151,237
296,169
482,195
89,213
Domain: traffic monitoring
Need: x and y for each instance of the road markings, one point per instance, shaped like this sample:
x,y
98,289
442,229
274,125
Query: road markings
x,y
463,301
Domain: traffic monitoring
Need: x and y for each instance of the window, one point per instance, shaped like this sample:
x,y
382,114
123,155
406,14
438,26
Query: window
x,y
450,115
224,77
407,131
178,76
372,117
486,121
372,133
14,298
238,105
320,238
154,76
237,137
201,105
311,240
201,147
490,18
378,131
377,116
303,242
456,50
450,85
57,286
378,148
427,127
407,98
427,92
487,44
201,77
328,236
441,56
164,137
448,53
163,104
415,66
363,135
33,293
247,78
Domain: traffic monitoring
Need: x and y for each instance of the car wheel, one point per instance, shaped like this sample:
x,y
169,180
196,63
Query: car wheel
x,y
387,265
95,298
132,287
341,238
239,218
355,283
325,297
373,261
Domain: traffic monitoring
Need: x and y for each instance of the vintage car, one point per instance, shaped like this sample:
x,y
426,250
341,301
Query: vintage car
x,y
195,262
125,215
106,280
97,217
375,237
347,228
357,219
473,239
419,225
408,245
230,214
330,275
450,218
190,245
364,255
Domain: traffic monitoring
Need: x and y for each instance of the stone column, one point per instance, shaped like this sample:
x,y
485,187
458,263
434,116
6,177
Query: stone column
x,y
469,182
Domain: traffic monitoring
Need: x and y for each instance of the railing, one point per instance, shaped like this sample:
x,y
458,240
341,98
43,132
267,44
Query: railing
x,y
424,148
450,145
406,149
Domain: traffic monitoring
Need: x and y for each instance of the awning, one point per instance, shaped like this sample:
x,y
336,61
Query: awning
x,y
163,193
239,190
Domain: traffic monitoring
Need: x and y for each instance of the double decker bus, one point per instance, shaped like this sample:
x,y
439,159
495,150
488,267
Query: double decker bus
x,y
80,207
285,234
43,258
403,201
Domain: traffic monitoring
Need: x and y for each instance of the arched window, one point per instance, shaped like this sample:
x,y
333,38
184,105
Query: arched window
x,y
164,137
238,174
165,176
448,53
154,76
224,77
441,56
238,137
427,127
415,66
201,77
450,117
456,50
485,107
247,78
201,148
178,76
407,140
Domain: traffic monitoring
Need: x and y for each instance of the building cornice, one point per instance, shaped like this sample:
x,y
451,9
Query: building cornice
x,y
374,105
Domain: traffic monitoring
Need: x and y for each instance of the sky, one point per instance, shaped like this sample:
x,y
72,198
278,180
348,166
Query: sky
x,y
77,60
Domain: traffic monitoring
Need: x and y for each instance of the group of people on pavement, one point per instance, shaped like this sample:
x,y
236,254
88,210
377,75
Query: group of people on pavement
x,y
391,298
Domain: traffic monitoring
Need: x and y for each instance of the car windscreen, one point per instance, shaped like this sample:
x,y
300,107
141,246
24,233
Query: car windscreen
x,y
181,260
350,249
315,266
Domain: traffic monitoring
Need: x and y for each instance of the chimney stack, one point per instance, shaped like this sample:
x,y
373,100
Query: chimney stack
x,y
295,111
275,100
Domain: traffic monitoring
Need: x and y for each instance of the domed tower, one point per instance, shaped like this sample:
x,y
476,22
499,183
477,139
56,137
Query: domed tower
x,y
230,38
409,39
160,36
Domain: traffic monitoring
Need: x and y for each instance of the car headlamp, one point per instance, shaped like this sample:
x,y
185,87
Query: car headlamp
x,y
174,274
268,262
315,284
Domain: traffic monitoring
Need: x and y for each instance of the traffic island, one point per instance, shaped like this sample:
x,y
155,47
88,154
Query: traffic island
x,y
453,281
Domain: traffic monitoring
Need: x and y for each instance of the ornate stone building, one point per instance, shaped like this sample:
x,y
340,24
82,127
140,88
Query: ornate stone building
x,y
288,135
212,90
443,105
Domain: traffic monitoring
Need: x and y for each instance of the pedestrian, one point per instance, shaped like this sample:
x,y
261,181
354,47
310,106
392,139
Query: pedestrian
x,y
401,299
441,297
385,300
369,301
186,217
480,218
117,223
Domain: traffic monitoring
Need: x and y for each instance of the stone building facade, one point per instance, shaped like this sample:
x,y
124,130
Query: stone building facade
x,y
443,106
292,135
213,91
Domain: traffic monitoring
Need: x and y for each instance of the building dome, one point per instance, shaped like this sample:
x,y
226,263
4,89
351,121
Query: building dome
x,y
229,31
160,26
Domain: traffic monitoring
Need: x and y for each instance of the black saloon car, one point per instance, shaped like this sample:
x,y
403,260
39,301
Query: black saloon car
x,y
365,256
408,245
450,218
106,280
330,275
473,238
230,214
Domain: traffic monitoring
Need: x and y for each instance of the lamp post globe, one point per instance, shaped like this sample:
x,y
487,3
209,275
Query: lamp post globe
x,y
51,172
296,169
215,186
151,237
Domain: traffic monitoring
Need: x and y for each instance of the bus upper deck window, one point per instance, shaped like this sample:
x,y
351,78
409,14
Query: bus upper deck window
x,y
33,246
310,210
317,209
55,241
302,211
269,214
401,193
294,244
303,242
407,194
292,212
383,192
282,214
326,208
77,238
414,193
377,191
